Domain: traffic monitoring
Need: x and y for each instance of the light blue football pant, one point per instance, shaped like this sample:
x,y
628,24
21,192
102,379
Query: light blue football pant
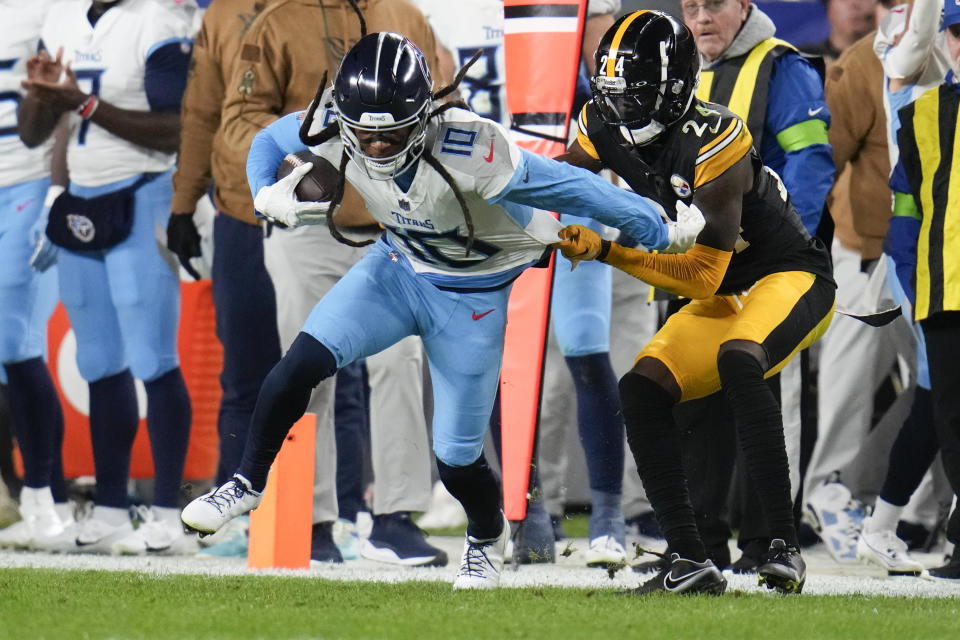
x,y
124,302
27,298
382,300
304,264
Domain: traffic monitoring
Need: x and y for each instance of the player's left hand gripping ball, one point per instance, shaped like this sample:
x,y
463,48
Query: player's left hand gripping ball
x,y
578,243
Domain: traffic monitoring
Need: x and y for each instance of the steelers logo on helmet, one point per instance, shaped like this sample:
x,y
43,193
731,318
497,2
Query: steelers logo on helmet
x,y
382,92
648,69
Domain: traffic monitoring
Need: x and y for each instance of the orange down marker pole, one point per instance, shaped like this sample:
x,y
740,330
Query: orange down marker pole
x,y
542,53
280,526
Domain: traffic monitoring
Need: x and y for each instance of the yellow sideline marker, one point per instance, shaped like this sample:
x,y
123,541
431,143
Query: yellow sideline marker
x,y
280,526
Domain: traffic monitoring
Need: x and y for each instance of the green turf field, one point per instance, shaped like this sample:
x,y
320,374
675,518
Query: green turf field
x,y
44,603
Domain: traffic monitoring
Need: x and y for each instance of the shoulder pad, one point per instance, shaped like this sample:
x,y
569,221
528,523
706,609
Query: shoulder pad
x,y
721,136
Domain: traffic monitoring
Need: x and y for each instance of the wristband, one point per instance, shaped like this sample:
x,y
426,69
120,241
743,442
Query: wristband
x,y
604,250
88,107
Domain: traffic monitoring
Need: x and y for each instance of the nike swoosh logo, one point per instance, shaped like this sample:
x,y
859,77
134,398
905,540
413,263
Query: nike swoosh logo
x,y
84,543
489,156
21,207
672,584
813,112
477,316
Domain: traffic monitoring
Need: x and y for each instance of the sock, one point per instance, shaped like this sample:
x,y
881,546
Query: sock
x,y
760,431
113,516
655,443
478,490
64,510
885,517
912,452
167,515
58,484
599,420
168,422
606,516
113,426
37,420
350,429
282,401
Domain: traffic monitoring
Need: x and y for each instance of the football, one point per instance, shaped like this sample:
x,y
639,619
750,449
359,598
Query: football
x,y
319,184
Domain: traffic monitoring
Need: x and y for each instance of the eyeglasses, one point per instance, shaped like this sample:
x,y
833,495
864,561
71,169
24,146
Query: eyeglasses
x,y
692,9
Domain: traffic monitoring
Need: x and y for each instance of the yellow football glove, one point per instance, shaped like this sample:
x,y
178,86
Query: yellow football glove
x,y
578,243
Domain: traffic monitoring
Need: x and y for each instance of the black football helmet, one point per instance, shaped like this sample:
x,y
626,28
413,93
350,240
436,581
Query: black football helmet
x,y
648,69
383,83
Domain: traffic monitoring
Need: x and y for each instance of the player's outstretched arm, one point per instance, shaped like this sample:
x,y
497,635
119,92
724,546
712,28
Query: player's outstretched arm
x,y
694,274
557,186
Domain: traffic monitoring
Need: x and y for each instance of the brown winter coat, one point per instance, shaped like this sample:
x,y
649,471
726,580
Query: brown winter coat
x,y
860,201
256,62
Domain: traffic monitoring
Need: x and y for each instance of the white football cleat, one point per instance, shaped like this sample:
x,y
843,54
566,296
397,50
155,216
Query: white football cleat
x,y
482,561
837,517
605,551
156,534
887,551
40,519
218,506
97,533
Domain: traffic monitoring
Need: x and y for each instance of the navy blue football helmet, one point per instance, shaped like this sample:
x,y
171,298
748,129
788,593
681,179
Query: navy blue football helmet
x,y
383,84
648,69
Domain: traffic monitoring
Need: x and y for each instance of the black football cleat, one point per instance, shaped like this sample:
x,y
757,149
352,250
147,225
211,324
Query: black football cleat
x,y
783,569
684,577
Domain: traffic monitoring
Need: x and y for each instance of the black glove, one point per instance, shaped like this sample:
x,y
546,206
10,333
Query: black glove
x,y
183,240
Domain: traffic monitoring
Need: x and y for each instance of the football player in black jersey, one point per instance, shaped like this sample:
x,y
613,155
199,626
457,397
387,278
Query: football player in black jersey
x,y
761,287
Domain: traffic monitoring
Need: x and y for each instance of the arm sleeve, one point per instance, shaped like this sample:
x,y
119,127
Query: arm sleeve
x,y
165,76
798,112
544,183
694,274
268,149
199,121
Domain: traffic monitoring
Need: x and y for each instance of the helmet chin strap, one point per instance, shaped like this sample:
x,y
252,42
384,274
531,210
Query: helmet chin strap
x,y
644,134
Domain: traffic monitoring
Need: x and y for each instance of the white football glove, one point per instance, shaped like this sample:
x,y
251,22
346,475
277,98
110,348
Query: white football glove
x,y
44,252
278,203
683,233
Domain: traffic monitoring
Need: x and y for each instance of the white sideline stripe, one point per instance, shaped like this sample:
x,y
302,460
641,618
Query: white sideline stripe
x,y
823,575
513,26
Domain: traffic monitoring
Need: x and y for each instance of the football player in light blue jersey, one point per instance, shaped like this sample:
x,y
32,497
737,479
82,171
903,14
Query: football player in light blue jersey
x,y
115,71
27,297
457,200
